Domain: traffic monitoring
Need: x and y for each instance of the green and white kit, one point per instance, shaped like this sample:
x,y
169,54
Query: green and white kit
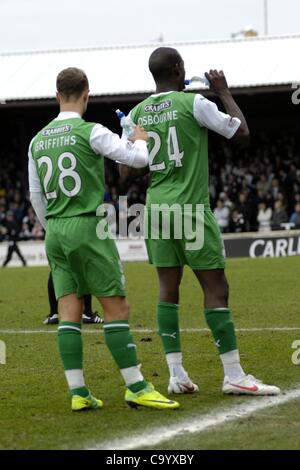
x,y
178,124
66,164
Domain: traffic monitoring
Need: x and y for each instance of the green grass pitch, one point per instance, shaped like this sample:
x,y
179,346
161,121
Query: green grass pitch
x,y
34,402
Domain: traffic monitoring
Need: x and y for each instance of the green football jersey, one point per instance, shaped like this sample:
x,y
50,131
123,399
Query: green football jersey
x,y
70,172
178,149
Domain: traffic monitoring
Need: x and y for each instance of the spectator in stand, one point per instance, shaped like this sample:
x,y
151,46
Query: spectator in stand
x,y
279,215
213,182
244,208
281,197
225,199
2,233
264,217
30,218
37,231
275,188
31,228
221,213
236,222
296,199
263,185
2,214
28,222
295,217
233,187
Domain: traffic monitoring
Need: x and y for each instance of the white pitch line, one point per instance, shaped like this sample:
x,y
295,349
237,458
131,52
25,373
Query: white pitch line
x,y
149,330
202,423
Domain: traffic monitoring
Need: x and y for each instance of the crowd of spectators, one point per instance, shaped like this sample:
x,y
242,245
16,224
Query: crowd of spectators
x,y
14,203
251,189
257,188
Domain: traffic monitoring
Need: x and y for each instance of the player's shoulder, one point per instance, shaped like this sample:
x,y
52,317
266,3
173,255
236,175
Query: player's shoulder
x,y
85,128
184,102
186,97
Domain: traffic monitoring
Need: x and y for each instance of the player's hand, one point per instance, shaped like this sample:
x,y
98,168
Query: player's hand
x,y
217,80
139,134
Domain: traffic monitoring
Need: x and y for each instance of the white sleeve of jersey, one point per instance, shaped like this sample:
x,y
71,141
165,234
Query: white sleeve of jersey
x,y
39,204
208,115
108,144
37,197
33,177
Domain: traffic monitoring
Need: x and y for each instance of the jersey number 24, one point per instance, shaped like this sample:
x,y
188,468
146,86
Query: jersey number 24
x,y
174,152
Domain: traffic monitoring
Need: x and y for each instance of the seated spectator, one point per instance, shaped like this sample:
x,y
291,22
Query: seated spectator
x,y
295,217
221,213
275,188
279,215
263,185
247,209
236,222
26,232
225,199
3,232
38,231
264,217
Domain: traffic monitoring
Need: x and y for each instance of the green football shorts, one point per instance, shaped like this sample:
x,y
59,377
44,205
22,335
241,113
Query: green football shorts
x,y
80,262
194,240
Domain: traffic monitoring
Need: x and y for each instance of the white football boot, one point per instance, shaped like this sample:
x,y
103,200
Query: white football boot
x,y
177,385
248,385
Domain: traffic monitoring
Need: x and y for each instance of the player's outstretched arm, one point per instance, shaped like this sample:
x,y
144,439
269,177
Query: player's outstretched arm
x,y
218,84
132,153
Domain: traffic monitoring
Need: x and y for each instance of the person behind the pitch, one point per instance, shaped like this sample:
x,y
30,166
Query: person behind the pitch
x,y
88,315
12,231
66,178
179,175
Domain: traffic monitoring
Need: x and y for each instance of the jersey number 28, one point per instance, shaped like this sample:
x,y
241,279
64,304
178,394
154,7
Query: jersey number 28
x,y
64,172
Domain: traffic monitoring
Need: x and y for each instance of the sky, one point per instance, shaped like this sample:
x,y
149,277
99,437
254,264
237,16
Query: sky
x,y
56,24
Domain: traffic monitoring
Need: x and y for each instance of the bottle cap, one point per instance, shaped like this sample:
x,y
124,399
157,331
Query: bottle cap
x,y
119,113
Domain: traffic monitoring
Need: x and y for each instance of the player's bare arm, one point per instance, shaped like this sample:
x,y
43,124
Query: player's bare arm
x,y
218,84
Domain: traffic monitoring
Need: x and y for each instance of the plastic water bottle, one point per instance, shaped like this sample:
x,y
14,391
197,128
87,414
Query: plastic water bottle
x,y
202,80
126,123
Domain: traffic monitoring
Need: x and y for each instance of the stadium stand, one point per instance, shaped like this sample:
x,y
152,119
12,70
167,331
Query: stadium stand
x,y
250,189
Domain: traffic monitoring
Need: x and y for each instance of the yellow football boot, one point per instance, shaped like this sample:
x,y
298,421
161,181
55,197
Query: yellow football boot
x,y
80,403
151,398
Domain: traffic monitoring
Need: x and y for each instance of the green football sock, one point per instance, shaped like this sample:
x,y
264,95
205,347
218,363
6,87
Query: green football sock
x,y
168,326
70,349
222,328
119,341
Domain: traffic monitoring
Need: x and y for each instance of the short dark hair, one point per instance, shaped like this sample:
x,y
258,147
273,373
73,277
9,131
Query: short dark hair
x,y
71,82
161,62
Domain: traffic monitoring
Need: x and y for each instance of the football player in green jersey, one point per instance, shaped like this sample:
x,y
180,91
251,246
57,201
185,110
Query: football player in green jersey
x,y
178,197
66,179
